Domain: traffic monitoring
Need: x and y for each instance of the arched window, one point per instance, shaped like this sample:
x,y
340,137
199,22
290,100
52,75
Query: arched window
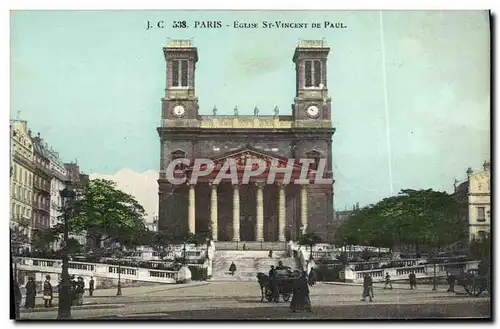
x,y
315,155
178,154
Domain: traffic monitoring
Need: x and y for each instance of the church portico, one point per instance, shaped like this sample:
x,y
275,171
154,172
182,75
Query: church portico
x,y
251,212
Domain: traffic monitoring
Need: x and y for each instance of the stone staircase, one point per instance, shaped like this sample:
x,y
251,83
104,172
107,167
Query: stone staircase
x,y
248,264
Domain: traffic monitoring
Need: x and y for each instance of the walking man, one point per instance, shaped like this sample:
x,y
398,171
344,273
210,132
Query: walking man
x,y
413,280
274,283
80,290
367,288
312,277
451,282
47,292
232,268
388,282
91,286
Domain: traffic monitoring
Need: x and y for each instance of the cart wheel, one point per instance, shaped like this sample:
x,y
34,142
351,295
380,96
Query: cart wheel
x,y
286,296
472,289
269,295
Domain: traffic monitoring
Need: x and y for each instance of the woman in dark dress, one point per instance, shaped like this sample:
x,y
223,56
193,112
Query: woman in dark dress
x,y
300,300
30,293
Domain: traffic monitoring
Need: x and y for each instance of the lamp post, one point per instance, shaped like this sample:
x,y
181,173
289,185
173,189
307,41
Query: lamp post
x,y
64,306
119,287
434,281
184,254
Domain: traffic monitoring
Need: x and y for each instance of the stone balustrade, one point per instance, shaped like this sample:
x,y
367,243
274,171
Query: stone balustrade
x,y
97,270
402,273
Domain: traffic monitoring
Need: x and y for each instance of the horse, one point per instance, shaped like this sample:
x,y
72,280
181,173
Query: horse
x,y
264,282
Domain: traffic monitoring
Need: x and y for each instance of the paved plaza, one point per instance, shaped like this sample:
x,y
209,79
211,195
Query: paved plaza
x,y
238,300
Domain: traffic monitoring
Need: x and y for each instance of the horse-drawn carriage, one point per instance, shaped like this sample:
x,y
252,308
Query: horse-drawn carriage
x,y
475,281
284,280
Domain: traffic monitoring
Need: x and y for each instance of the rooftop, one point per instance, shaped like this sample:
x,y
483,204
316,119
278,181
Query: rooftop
x,y
312,44
179,43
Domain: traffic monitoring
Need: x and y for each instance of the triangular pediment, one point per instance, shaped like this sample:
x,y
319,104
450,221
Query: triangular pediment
x,y
241,155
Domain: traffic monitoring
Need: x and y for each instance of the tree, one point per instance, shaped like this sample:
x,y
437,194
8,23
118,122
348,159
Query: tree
x,y
42,240
309,239
106,213
74,247
366,254
18,236
413,217
160,242
343,258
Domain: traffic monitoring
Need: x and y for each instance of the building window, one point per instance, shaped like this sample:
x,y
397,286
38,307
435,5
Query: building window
x,y
180,73
482,235
480,214
312,73
314,155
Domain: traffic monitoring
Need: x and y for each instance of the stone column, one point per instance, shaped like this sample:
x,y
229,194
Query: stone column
x,y
259,226
236,213
192,207
281,212
214,212
303,208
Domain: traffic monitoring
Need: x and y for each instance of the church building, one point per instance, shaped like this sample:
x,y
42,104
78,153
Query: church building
x,y
258,210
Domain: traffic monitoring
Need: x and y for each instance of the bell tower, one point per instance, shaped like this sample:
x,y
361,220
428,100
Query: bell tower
x,y
312,103
180,101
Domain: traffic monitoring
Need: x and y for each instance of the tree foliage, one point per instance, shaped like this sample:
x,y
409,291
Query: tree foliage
x,y
18,236
413,217
105,212
310,240
42,240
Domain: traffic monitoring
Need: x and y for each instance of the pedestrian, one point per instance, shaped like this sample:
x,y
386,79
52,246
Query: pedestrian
x,y
72,291
274,284
47,292
388,282
312,277
17,299
451,282
91,286
413,280
280,266
80,290
270,253
300,299
367,288
30,293
232,268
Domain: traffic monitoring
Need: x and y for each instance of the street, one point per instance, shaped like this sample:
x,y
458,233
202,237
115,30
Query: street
x,y
241,300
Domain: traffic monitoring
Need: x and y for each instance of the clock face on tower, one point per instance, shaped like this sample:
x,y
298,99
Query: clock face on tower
x,y
312,111
178,111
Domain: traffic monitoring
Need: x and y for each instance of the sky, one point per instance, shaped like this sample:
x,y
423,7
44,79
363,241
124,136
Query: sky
x,y
91,82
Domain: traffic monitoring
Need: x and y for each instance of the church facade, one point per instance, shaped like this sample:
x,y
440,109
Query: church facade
x,y
257,210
